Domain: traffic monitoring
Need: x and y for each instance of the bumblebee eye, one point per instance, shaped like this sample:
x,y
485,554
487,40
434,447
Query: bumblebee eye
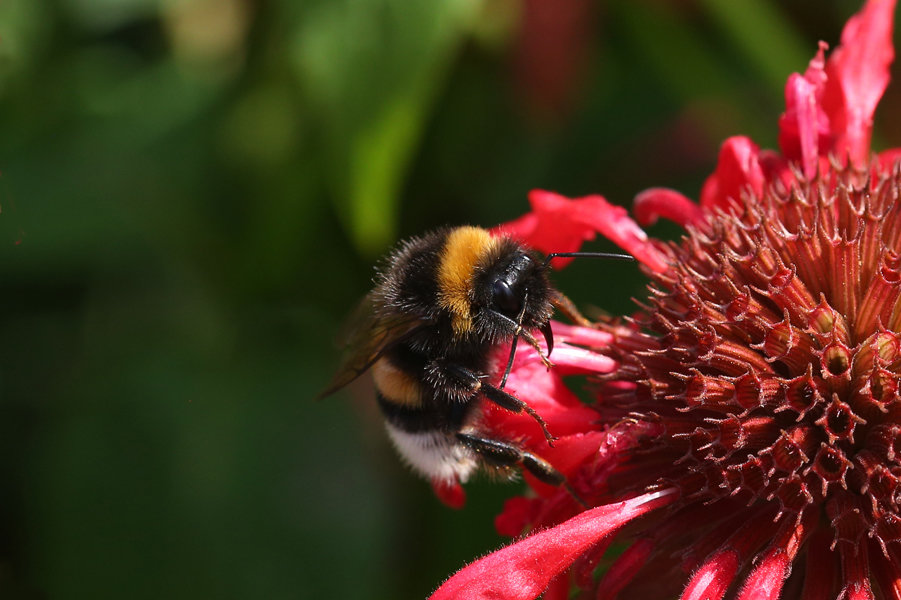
x,y
503,297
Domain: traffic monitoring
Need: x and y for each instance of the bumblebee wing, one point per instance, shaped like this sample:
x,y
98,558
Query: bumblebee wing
x,y
365,337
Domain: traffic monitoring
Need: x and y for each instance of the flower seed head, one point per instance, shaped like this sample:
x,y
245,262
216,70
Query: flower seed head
x,y
765,367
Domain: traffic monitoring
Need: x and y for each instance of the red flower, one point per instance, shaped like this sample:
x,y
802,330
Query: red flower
x,y
746,432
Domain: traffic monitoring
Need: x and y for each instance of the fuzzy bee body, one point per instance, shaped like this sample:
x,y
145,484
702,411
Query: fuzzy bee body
x,y
440,305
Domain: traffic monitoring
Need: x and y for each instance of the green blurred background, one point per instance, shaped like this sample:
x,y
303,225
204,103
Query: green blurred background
x,y
193,193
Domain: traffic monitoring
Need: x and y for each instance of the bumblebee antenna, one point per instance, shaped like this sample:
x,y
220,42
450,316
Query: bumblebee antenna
x,y
612,255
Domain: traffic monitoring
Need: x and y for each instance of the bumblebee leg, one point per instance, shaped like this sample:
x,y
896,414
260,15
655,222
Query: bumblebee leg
x,y
514,404
568,308
517,331
503,454
469,380
509,362
534,343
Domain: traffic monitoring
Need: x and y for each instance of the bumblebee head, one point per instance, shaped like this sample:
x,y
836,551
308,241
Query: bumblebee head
x,y
514,283
511,290
491,286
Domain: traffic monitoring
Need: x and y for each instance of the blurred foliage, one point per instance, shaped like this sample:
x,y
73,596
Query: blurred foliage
x,y
192,195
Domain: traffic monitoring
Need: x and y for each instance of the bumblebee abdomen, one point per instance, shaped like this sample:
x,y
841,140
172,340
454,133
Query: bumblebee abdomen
x,y
396,384
409,404
436,455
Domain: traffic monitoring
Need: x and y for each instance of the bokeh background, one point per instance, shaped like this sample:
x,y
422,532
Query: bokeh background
x,y
192,196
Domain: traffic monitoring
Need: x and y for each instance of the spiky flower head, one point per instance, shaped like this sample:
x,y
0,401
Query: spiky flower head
x,y
746,431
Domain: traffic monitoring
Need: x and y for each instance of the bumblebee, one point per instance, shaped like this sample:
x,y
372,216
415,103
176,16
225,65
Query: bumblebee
x,y
440,304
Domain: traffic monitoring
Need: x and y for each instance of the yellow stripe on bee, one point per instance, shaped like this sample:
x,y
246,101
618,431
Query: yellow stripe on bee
x,y
462,250
396,385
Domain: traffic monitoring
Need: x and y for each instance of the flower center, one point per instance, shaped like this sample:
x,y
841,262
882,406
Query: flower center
x,y
766,364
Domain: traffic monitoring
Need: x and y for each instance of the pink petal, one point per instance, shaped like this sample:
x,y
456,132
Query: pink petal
x,y
774,564
572,360
804,121
558,588
738,170
565,416
567,359
573,451
799,140
558,224
583,336
776,168
614,223
522,571
714,577
450,493
888,159
518,513
539,387
669,204
523,229
858,73
561,421
542,387
765,582
583,569
546,393
624,569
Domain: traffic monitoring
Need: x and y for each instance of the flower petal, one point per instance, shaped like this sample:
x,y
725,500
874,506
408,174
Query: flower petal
x,y
669,204
773,565
558,588
522,571
573,451
583,569
518,513
804,121
858,73
583,336
540,388
888,159
624,569
716,574
572,360
765,582
558,224
738,170
451,494
714,577
562,421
